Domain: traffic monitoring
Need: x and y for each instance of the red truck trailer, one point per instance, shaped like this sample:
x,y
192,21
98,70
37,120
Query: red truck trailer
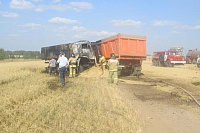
x,y
129,49
167,58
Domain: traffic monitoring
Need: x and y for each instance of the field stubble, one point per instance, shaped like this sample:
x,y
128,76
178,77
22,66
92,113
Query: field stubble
x,y
32,101
186,76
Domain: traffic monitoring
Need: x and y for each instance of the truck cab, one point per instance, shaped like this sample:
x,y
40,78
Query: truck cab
x,y
84,54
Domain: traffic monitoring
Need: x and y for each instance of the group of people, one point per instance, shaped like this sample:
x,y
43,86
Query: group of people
x,y
63,62
112,65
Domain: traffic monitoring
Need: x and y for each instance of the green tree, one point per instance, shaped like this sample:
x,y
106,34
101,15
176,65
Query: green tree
x,y
31,55
9,54
2,54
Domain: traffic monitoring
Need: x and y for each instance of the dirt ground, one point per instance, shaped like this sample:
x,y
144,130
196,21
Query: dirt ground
x,y
164,108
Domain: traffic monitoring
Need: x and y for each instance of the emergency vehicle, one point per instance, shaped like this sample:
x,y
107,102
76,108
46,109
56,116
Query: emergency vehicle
x,y
167,58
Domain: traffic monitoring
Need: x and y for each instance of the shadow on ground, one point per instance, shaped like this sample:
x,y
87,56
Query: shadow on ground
x,y
53,84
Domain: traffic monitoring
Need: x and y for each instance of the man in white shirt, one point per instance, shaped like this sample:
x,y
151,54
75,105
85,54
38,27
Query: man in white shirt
x,y
63,63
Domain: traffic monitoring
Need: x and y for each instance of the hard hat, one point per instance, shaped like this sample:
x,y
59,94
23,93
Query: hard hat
x,y
112,55
72,55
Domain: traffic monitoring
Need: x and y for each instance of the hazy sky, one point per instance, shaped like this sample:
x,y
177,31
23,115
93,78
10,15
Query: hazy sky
x,y
32,24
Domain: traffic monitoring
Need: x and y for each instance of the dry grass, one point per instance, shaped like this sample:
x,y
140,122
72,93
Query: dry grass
x,y
187,73
182,75
32,101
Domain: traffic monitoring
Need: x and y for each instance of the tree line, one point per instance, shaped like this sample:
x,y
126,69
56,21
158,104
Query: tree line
x,y
19,54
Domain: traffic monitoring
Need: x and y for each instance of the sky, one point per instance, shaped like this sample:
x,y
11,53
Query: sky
x,y
32,24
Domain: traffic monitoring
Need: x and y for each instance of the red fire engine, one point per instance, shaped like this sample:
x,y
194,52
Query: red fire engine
x,y
167,58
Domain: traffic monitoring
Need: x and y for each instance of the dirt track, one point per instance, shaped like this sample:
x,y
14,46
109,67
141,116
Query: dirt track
x,y
165,108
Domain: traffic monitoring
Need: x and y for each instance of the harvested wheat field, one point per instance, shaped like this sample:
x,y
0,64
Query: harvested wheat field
x,y
33,101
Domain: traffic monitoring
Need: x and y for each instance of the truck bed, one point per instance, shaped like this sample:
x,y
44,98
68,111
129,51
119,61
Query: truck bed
x,y
126,47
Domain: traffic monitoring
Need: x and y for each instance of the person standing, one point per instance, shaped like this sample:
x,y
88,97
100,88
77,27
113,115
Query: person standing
x,y
198,61
72,66
52,65
63,63
113,69
102,63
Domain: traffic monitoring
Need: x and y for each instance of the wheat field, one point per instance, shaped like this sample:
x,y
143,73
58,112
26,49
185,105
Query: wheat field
x,y
33,101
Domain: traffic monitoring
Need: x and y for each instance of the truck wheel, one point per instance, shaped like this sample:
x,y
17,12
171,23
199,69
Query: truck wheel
x,y
136,73
169,64
159,64
119,73
80,68
154,63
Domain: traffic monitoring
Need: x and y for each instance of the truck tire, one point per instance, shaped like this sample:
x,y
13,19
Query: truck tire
x,y
169,64
80,69
159,64
119,73
136,73
154,63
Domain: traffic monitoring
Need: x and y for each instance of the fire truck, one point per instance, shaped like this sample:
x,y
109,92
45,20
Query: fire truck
x,y
167,58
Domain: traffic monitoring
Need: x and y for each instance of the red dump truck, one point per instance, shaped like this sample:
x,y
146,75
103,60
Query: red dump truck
x,y
129,49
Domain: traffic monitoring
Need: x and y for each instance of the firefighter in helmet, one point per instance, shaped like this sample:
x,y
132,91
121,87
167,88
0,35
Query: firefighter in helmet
x,y
113,69
72,66
102,62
